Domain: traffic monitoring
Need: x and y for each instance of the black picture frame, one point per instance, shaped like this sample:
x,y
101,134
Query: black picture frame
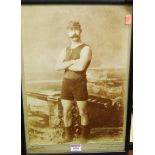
x,y
128,145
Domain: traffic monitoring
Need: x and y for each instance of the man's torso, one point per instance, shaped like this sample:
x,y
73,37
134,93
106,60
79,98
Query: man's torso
x,y
73,54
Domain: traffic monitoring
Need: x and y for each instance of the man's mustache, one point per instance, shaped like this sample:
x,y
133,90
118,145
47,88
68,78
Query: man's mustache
x,y
74,36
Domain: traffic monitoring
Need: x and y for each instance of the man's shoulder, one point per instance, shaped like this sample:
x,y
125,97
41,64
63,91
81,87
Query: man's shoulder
x,y
86,51
65,48
86,48
63,51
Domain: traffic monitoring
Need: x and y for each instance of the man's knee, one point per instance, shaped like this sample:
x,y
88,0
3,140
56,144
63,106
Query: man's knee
x,y
83,113
66,107
67,113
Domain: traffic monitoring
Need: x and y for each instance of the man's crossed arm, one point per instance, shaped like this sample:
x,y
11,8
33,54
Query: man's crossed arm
x,y
61,63
74,65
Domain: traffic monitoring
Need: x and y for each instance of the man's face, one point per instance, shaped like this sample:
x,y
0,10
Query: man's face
x,y
74,33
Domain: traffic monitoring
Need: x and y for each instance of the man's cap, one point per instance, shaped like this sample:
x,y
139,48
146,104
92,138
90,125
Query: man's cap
x,y
73,24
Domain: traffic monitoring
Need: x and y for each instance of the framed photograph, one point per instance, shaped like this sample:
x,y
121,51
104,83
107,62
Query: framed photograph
x,y
76,76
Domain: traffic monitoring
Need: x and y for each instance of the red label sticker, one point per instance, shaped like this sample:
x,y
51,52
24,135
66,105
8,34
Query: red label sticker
x,y
128,19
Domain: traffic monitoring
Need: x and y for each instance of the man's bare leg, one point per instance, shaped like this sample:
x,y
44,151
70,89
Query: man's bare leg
x,y
83,111
67,105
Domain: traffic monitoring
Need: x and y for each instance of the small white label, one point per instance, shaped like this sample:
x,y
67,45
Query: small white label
x,y
75,147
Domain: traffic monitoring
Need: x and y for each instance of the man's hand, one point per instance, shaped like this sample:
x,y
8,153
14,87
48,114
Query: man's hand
x,y
61,63
75,61
64,65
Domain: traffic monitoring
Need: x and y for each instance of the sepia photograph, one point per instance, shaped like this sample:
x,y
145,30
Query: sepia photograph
x,y
75,77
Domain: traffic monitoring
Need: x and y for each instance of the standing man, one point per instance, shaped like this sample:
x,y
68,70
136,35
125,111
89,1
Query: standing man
x,y
74,60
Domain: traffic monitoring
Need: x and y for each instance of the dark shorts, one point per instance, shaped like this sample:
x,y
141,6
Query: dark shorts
x,y
74,89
